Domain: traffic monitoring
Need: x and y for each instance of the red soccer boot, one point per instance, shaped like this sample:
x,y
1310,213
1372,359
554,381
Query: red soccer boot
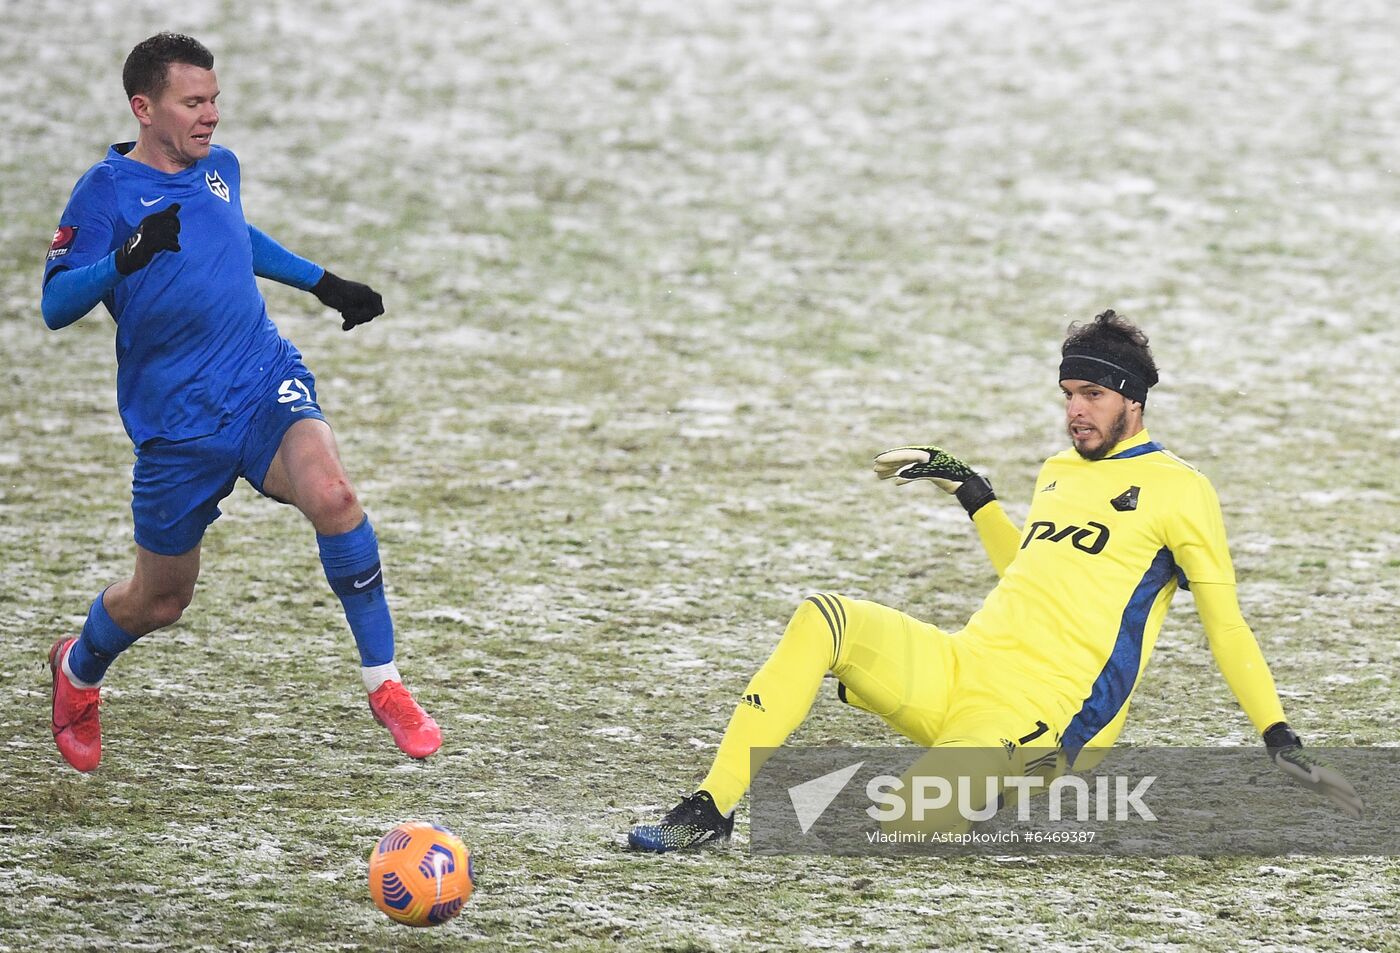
x,y
414,730
76,728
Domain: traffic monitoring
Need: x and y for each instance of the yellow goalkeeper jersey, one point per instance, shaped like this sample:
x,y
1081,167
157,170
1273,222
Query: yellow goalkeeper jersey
x,y
1076,614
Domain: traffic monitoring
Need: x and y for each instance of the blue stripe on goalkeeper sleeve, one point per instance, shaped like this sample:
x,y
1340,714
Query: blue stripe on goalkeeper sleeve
x,y
271,260
73,292
351,561
101,642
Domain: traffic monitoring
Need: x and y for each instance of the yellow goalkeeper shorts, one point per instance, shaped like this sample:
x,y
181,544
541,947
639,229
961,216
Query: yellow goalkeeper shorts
x,y
928,687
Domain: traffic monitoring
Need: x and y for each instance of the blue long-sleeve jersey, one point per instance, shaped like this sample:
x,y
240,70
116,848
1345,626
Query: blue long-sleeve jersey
x,y
194,339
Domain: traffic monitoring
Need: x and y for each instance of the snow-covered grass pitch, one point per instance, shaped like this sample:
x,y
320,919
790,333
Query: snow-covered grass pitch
x,y
661,279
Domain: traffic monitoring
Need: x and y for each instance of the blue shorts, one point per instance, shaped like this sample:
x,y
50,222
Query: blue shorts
x,y
176,485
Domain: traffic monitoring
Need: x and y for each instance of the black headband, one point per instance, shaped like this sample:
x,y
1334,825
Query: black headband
x,y
1105,373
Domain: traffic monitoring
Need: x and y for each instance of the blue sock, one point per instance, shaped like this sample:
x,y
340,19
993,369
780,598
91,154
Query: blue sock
x,y
351,561
101,642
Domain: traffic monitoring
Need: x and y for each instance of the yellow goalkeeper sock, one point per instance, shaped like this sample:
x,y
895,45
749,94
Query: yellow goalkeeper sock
x,y
776,699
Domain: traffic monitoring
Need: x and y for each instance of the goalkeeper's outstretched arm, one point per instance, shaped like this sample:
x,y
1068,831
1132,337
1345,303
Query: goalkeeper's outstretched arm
x,y
1237,654
998,534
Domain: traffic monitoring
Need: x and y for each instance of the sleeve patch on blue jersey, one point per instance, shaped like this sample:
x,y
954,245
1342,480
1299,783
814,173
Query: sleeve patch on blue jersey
x,y
62,241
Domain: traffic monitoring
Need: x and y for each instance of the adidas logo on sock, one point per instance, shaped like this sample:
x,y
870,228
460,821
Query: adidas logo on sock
x,y
1048,487
753,701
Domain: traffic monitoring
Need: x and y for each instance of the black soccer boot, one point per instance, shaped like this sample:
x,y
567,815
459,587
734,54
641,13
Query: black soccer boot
x,y
692,822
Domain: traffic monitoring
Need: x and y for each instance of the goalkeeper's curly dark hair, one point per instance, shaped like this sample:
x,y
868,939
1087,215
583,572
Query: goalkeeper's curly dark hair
x,y
1116,338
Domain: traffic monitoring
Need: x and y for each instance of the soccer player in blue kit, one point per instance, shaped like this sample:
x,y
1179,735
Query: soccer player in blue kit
x,y
208,390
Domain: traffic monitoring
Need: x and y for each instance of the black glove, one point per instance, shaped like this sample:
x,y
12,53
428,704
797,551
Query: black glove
x,y
947,472
356,303
157,233
1286,749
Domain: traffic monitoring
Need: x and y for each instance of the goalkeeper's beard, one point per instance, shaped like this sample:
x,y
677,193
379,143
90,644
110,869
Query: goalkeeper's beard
x,y
1110,440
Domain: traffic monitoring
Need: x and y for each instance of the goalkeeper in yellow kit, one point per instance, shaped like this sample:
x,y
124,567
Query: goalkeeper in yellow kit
x,y
1048,664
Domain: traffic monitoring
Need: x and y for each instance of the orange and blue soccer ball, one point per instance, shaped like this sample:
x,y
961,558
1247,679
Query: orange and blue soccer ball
x,y
420,874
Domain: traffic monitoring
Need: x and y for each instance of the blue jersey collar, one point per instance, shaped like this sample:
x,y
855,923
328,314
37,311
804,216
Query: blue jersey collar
x,y
118,153
1137,445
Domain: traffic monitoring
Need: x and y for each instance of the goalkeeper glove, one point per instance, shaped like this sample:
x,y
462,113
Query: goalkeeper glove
x,y
1286,749
157,232
356,303
907,464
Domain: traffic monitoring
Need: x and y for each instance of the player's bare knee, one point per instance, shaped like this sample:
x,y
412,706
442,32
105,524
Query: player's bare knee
x,y
334,504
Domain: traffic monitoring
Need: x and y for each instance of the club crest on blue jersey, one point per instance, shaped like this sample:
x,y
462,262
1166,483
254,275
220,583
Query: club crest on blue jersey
x,y
216,185
62,241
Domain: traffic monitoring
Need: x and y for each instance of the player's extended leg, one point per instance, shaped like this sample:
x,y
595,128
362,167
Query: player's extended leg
x,y
869,646
778,697
774,703
155,596
307,473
